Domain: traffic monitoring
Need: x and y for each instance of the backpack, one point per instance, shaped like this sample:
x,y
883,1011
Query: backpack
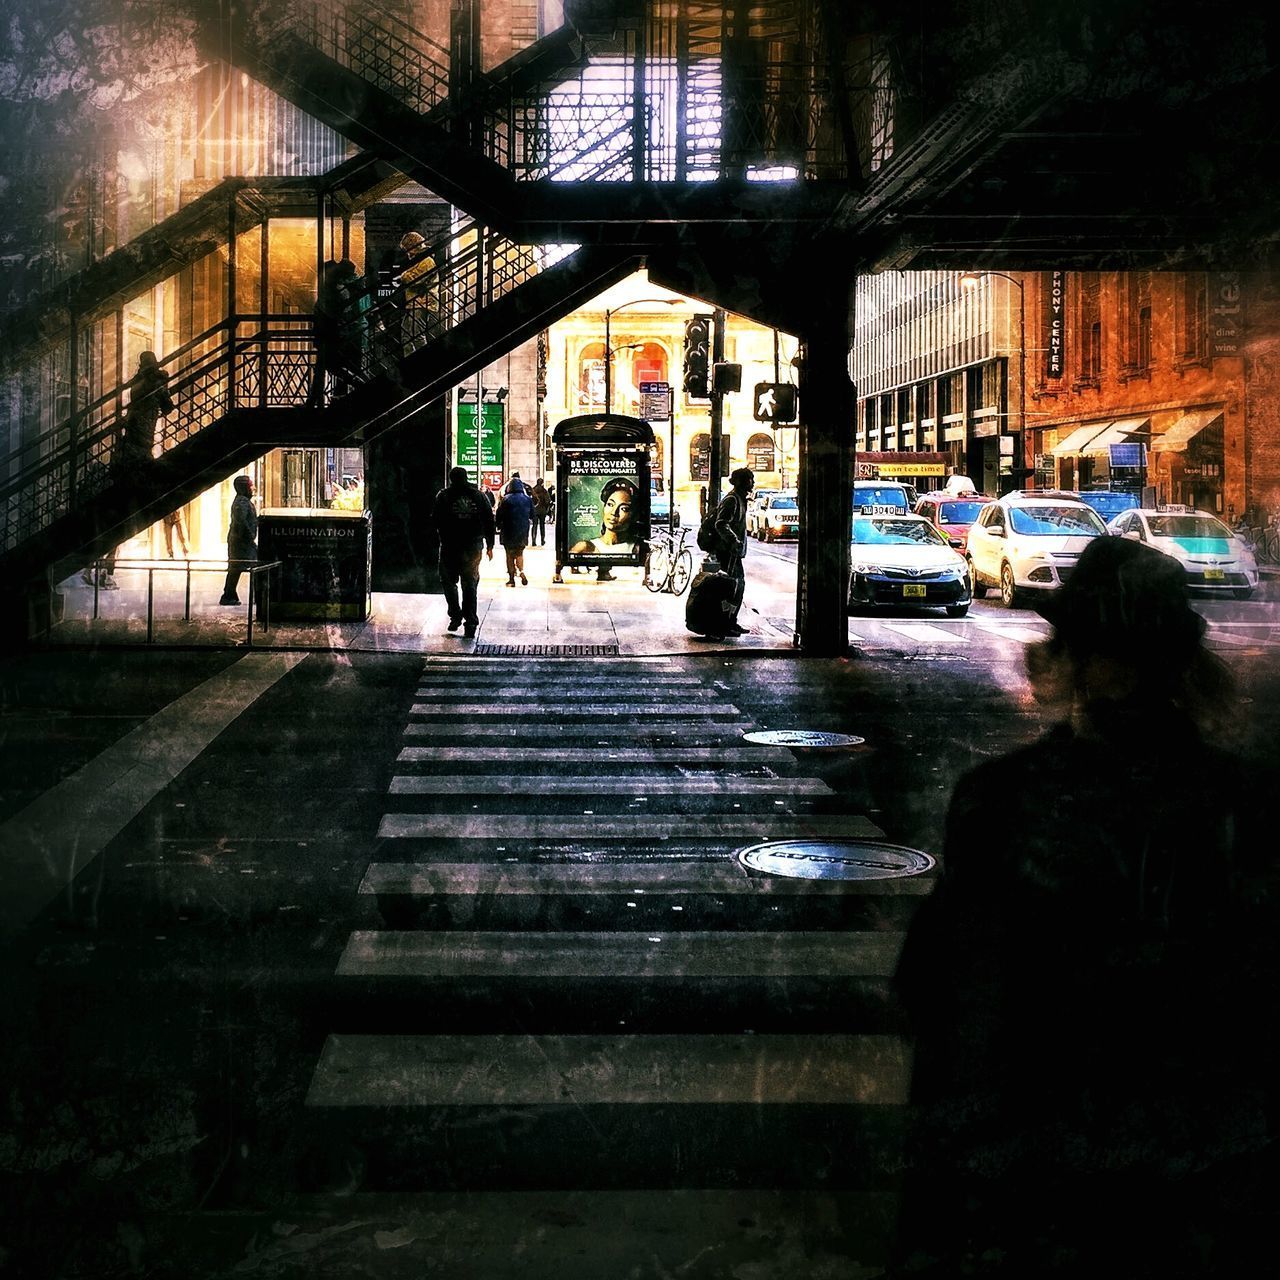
x,y
707,540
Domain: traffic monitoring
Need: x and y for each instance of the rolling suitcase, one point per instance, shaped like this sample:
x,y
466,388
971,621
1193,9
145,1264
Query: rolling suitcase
x,y
713,600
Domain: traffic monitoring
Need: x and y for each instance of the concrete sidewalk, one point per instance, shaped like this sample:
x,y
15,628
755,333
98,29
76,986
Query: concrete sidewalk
x,y
581,611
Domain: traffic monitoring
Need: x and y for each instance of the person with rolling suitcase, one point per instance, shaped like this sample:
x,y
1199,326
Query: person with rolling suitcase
x,y
715,596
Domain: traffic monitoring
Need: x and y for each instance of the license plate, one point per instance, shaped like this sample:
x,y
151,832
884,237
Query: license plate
x,y
1214,575
914,590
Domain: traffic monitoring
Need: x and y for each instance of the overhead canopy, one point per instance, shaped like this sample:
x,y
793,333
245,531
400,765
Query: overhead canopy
x,y
1176,439
1076,441
1117,432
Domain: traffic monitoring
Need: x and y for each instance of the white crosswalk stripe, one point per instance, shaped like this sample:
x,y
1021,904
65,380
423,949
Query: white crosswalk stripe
x,y
698,757
720,954
653,826
926,631
526,1071
636,785
599,710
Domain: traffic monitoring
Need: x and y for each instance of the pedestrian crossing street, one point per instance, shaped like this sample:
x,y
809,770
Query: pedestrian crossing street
x,y
569,981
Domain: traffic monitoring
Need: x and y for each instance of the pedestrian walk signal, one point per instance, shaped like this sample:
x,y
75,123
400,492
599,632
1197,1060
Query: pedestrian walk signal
x,y
774,402
697,348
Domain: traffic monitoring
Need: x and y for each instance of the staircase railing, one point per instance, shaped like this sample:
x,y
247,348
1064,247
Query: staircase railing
x,y
253,361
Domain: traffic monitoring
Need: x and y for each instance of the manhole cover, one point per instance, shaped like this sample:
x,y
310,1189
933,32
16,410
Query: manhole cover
x,y
802,738
835,859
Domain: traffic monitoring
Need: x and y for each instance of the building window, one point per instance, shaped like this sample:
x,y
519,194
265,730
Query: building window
x,y
1195,317
1091,326
590,392
1137,303
1144,337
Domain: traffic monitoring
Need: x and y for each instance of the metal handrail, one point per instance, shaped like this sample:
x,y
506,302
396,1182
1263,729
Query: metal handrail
x,y
251,567
260,361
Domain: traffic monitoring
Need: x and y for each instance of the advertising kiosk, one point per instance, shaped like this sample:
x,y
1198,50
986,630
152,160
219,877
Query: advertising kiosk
x,y
602,491
326,555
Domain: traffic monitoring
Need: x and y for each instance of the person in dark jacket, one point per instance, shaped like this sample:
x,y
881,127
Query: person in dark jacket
x,y
463,522
541,510
1092,983
149,398
242,539
513,518
337,323
731,536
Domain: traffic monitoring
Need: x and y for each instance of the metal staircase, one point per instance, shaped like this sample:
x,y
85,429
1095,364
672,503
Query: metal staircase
x,y
240,389
179,241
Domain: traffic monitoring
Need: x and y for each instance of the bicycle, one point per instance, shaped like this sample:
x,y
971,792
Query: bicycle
x,y
670,564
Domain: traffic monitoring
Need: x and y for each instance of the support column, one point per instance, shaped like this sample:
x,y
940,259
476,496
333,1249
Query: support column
x,y
826,476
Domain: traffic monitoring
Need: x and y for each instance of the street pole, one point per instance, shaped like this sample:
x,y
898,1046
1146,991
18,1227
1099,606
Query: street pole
x,y
717,410
968,278
608,366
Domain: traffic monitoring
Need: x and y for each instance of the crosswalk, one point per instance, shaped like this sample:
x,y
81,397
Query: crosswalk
x,y
571,983
984,632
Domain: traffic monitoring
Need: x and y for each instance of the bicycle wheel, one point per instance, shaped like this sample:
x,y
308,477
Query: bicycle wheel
x,y
681,572
659,568
1271,548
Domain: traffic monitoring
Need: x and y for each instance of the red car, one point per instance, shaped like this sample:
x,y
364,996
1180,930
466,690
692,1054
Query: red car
x,y
952,514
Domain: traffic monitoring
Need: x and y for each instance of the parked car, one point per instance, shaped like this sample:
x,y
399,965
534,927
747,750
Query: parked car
x,y
1213,557
659,509
901,559
777,515
880,497
952,514
1023,542
1109,503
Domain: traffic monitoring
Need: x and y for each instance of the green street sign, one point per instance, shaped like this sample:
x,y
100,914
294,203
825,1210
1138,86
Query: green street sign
x,y
491,423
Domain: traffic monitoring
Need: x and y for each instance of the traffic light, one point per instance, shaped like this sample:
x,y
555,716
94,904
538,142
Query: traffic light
x,y
697,347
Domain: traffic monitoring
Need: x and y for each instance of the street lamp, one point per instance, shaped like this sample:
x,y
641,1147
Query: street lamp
x,y
671,420
968,280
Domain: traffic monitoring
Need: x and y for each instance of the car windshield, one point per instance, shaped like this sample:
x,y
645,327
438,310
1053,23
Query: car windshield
x,y
881,531
1072,521
783,504
874,495
959,512
1108,505
1187,527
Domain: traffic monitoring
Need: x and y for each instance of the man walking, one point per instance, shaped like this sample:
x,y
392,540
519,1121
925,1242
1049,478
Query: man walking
x,y
541,510
242,539
512,517
463,521
731,536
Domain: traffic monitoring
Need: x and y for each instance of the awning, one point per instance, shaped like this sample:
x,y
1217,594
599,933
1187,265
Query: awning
x,y
1176,439
1076,441
1117,433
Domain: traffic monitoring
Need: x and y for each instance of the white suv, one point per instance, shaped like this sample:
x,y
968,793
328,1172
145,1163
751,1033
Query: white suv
x,y
1023,542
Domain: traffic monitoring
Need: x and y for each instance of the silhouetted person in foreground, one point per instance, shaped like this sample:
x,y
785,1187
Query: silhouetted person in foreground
x,y
1092,983
242,541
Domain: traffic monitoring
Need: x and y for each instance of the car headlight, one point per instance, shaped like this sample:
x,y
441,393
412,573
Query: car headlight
x,y
866,568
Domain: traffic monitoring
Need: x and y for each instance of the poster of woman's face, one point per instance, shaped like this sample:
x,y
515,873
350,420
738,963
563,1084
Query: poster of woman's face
x,y
606,519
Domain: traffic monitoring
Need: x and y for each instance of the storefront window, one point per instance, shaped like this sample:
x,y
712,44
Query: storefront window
x,y
590,391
